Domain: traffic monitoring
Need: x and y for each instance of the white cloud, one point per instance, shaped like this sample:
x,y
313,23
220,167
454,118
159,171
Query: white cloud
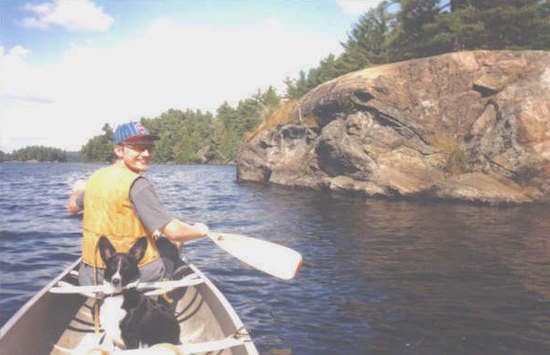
x,y
20,80
74,15
18,51
357,7
171,66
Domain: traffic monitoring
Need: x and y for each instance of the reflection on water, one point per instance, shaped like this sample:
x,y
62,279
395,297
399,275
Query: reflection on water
x,y
379,276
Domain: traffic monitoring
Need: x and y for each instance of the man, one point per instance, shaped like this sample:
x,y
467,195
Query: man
x,y
122,205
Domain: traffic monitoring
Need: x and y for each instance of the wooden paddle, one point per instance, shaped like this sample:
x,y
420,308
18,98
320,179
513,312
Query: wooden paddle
x,y
273,259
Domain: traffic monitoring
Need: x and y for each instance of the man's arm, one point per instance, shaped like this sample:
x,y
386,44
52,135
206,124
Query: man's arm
x,y
154,216
183,232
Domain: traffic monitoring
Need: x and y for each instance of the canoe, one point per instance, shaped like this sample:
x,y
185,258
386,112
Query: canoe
x,y
62,323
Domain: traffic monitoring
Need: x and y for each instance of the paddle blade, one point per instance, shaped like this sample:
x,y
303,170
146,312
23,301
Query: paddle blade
x,y
271,258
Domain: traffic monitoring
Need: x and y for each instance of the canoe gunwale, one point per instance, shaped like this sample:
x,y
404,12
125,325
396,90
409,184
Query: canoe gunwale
x,y
24,309
237,337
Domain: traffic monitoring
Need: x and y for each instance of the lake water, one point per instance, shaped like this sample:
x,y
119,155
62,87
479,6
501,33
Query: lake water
x,y
379,276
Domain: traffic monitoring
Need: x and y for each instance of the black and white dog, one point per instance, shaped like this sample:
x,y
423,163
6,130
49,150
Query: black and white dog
x,y
130,319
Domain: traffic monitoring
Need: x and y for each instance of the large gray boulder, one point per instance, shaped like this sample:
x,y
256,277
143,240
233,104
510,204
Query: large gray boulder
x,y
471,126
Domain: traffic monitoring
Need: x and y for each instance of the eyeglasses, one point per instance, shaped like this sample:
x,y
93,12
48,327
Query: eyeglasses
x,y
140,148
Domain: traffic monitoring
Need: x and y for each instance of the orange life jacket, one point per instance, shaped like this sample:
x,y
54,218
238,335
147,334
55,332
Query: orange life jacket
x,y
108,212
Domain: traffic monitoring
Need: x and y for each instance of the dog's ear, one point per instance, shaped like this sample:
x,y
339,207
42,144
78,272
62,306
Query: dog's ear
x,y
138,249
106,249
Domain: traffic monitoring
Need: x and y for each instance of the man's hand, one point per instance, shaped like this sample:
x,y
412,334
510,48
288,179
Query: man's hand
x,y
201,228
79,188
79,185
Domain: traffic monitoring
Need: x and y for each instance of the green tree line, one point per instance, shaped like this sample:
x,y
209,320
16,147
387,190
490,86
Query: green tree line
x,y
394,31
100,147
39,153
405,29
194,136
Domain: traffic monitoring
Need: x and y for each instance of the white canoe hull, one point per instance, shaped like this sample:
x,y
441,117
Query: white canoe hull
x,y
51,323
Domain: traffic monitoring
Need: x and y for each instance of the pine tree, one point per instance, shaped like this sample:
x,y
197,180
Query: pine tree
x,y
270,98
428,28
366,43
409,36
100,147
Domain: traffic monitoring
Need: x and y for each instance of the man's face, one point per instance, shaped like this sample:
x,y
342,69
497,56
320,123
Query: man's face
x,y
136,153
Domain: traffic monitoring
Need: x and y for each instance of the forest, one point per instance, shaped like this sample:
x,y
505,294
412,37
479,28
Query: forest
x,y
193,136
408,29
36,153
394,31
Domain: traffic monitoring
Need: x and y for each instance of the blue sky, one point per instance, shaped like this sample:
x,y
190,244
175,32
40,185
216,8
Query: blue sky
x,y
69,66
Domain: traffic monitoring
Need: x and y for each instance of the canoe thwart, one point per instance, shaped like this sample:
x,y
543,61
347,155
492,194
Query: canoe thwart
x,y
158,287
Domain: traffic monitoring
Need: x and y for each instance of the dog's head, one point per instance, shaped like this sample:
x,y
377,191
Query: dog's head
x,y
121,268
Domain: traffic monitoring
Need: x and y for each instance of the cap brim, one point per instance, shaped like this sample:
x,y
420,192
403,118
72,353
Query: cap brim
x,y
150,136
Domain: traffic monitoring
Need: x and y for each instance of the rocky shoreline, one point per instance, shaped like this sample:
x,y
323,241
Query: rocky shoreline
x,y
469,126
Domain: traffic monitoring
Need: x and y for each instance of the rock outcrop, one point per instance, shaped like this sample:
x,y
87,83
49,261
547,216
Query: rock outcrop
x,y
470,126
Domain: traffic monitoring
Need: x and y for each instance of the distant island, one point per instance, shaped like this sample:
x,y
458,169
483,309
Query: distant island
x,y
40,154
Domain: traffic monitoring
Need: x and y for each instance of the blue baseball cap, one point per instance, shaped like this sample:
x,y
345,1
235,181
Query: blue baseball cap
x,y
131,130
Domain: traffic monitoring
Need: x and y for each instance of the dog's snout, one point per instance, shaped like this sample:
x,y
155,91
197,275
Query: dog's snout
x,y
115,281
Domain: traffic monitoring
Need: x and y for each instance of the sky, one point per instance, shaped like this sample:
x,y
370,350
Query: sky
x,y
67,67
